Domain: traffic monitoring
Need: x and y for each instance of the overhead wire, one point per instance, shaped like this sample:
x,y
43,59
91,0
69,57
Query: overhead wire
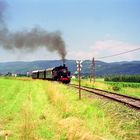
x,y
118,53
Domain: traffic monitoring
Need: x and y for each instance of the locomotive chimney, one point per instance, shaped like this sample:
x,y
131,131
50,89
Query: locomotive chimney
x,y
63,60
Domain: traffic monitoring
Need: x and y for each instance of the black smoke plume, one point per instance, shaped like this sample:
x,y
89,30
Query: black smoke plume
x,y
30,39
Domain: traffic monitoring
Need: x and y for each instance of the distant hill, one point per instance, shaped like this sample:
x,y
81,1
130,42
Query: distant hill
x,y
102,68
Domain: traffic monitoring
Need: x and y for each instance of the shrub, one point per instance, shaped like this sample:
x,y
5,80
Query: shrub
x,y
116,88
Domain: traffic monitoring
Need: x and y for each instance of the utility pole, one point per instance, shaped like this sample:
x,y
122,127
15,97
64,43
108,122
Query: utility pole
x,y
79,65
93,73
94,69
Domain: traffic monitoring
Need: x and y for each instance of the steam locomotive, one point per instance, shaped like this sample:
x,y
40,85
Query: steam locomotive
x,y
59,73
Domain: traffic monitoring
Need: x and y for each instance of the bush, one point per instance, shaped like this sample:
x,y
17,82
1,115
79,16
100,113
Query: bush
x,y
116,88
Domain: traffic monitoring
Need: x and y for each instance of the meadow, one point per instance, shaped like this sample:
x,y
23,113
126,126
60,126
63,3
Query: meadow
x,y
42,110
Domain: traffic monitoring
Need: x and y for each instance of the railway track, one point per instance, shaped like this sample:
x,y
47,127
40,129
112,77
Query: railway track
x,y
124,99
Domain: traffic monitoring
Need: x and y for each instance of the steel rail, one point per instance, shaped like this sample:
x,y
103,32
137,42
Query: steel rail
x,y
124,99
110,92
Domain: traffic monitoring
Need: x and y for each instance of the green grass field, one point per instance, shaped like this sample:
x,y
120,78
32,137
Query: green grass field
x,y
41,110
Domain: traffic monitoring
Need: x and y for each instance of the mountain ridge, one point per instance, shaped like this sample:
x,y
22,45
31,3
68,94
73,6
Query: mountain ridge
x,y
102,68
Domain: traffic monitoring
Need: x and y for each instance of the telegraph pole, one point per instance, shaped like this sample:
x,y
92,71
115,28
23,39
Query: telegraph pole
x,y
79,75
93,73
94,68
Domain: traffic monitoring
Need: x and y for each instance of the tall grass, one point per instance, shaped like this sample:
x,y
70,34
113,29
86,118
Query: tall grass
x,y
27,125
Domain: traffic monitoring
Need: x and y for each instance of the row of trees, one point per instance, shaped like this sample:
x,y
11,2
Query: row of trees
x,y
123,78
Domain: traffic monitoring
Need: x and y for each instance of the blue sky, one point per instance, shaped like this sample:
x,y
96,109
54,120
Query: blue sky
x,y
90,28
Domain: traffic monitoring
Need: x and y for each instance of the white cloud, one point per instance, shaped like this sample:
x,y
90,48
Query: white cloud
x,y
110,47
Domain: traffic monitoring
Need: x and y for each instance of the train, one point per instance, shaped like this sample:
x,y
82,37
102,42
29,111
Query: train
x,y
60,73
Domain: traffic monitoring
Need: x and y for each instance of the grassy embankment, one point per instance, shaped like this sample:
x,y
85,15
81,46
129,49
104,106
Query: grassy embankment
x,y
128,88
41,110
